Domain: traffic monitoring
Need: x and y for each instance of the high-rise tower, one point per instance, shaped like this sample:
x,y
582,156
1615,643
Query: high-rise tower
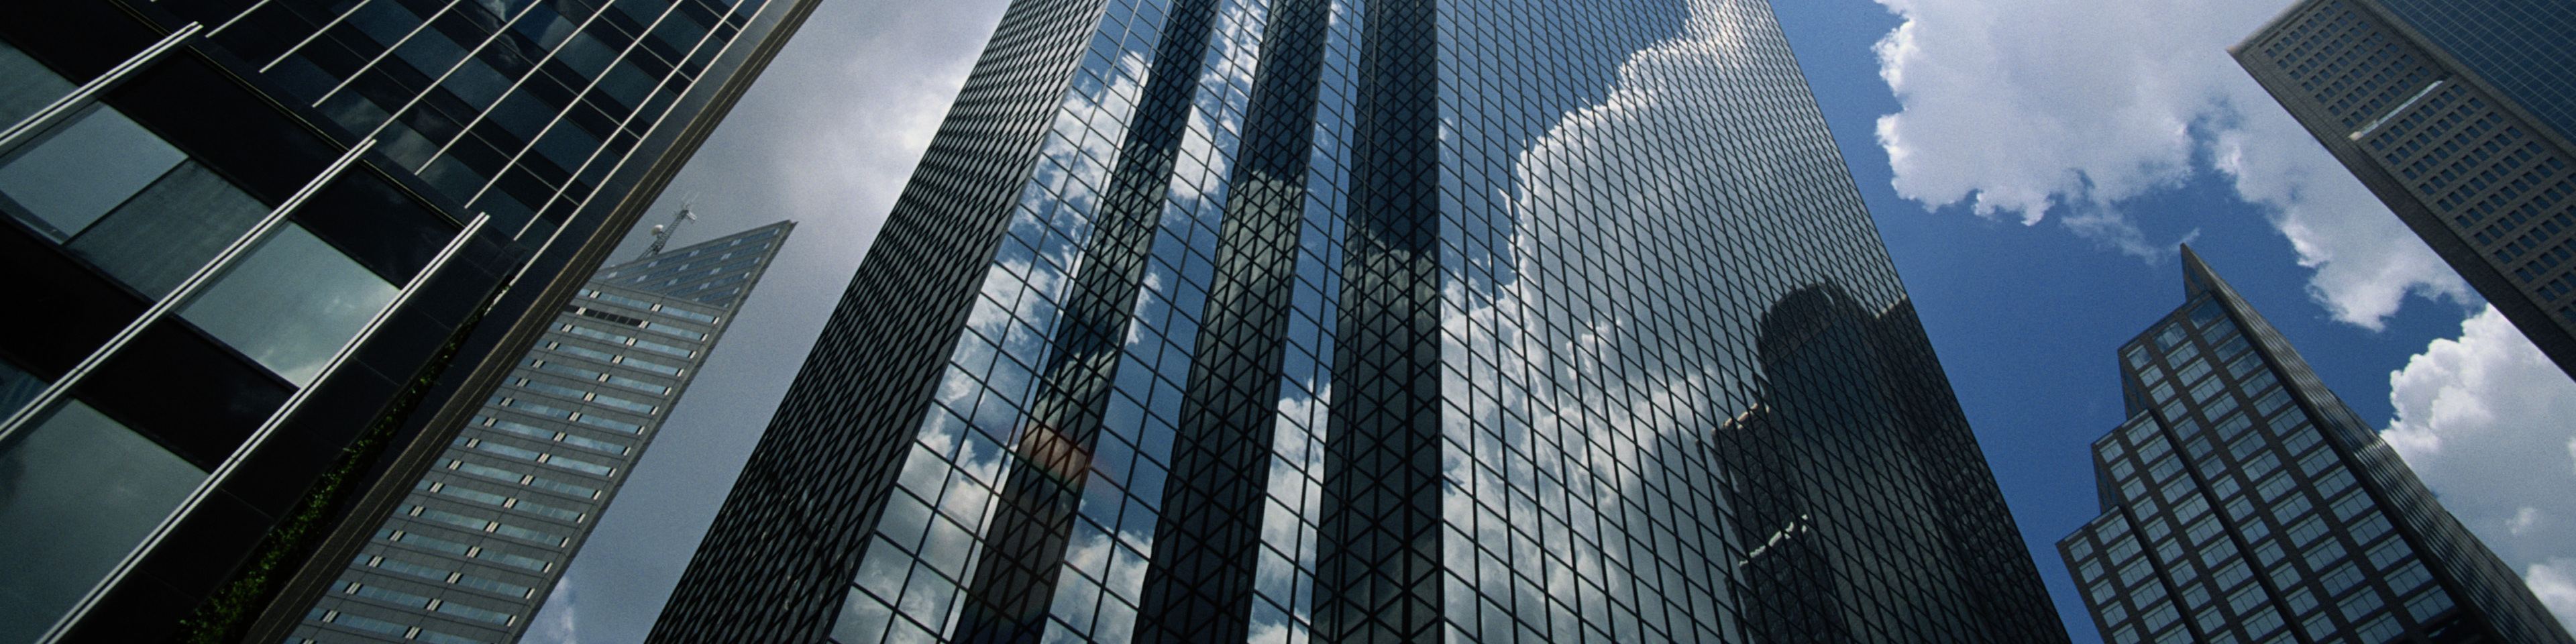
x,y
2458,114
264,254
2243,502
1401,320
479,543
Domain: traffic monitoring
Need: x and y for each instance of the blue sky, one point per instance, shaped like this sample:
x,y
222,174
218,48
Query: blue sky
x,y
2026,318
2049,157
2096,138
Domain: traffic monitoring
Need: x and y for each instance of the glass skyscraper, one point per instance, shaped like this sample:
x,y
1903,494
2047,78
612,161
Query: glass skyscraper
x,y
259,249
2458,114
1337,321
478,545
2243,503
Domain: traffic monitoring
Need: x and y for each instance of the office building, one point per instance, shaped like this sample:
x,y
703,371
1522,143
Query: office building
x,y
258,249
2243,503
1476,321
478,545
2458,114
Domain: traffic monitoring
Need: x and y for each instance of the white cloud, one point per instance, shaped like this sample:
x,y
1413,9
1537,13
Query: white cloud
x,y
560,623
2523,521
2481,419
2017,108
2365,260
2555,583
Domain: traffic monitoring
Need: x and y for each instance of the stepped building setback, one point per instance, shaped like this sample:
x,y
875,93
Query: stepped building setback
x,y
2243,503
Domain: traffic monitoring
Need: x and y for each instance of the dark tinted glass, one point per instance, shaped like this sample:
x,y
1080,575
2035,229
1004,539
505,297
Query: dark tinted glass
x,y
379,225
185,391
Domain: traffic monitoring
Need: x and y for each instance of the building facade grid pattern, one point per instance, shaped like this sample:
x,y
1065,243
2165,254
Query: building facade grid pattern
x,y
244,281
319,171
520,109
1478,338
2245,504
481,541
2520,46
2455,115
972,176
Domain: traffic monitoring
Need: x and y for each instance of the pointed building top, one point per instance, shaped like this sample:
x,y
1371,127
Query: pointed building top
x,y
2197,278
713,272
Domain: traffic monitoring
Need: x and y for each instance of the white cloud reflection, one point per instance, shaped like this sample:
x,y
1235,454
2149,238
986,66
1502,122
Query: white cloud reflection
x,y
1602,458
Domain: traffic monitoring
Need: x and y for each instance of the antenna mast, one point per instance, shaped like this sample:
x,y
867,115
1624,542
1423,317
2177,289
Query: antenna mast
x,y
662,232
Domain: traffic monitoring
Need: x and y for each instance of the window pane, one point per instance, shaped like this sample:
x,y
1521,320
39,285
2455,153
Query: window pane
x,y
26,85
291,304
80,173
75,495
159,237
17,387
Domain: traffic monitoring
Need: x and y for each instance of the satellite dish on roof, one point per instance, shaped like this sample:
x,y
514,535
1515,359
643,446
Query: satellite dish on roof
x,y
662,232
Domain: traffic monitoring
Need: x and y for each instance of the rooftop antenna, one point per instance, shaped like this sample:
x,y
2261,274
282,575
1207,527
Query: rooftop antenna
x,y
662,232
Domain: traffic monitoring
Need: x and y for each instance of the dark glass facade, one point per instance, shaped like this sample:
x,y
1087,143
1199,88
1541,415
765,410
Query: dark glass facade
x,y
2457,114
479,543
1400,321
2243,503
265,253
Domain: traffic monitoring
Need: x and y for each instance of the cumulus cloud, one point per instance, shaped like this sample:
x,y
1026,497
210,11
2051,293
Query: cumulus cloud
x,y
2555,583
560,623
2021,108
2482,420
2523,521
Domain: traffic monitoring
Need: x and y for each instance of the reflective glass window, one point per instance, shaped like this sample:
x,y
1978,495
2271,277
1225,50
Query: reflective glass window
x,y
2229,348
2170,336
2242,365
2206,313
2432,602
71,179
2364,530
2192,372
169,230
17,387
2343,577
2233,574
77,492
26,85
2408,576
291,304
2325,552
2206,389
2203,530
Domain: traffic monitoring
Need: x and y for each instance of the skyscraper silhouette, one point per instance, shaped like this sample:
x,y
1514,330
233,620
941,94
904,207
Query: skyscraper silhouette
x,y
2457,114
1226,321
2243,502
265,254
546,453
